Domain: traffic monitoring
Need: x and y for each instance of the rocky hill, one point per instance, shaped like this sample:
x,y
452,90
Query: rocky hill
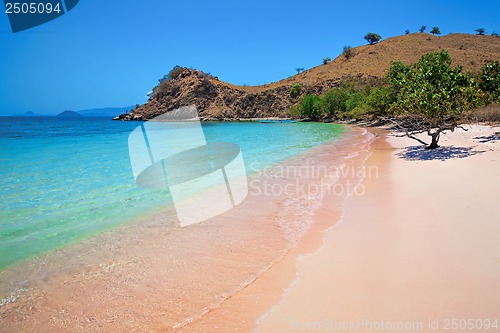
x,y
216,99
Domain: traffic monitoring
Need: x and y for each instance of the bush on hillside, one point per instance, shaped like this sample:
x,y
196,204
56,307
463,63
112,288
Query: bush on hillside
x,y
295,90
175,72
348,52
372,38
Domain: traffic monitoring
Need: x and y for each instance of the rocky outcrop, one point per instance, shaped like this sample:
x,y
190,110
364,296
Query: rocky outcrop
x,y
217,100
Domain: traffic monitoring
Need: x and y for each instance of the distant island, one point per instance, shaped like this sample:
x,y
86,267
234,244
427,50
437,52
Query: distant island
x,y
108,112
69,114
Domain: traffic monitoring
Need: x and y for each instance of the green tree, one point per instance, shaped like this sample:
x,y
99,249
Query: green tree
x,y
326,60
435,31
355,99
422,28
480,31
490,79
299,70
372,38
311,107
379,100
407,32
335,101
431,95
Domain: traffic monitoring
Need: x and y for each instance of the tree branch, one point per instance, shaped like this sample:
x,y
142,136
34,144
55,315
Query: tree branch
x,y
417,139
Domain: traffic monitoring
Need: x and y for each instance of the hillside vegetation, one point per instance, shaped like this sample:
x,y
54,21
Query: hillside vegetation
x,y
367,66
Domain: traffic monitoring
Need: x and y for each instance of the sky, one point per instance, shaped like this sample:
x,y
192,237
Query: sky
x,y
111,53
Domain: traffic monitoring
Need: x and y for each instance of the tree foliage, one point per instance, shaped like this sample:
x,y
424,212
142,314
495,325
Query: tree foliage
x,y
480,31
422,28
435,31
433,93
295,90
311,107
429,96
372,38
326,60
299,70
490,80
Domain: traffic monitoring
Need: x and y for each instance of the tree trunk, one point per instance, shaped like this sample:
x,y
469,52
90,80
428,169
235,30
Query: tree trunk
x,y
435,140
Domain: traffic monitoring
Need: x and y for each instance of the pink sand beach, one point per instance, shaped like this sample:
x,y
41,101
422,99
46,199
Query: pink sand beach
x,y
359,235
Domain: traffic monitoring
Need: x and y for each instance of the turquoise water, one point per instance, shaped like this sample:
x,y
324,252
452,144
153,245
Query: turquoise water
x,y
65,179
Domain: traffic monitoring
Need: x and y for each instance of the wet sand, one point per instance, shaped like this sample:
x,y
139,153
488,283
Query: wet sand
x,y
417,251
151,275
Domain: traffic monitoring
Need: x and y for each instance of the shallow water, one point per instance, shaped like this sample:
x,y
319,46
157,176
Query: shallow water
x,y
66,179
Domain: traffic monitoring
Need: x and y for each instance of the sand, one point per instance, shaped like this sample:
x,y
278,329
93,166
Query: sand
x,y
418,250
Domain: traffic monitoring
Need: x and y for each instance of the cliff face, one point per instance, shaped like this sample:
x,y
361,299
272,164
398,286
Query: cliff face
x,y
216,99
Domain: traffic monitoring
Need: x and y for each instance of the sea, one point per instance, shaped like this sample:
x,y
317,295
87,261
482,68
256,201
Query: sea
x,y
65,179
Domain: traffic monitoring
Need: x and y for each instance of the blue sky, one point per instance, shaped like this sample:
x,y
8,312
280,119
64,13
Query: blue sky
x,y
111,53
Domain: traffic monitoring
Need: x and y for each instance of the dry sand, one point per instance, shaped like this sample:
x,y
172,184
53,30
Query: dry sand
x,y
420,248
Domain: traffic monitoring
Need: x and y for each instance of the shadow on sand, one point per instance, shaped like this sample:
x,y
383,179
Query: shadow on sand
x,y
493,137
419,153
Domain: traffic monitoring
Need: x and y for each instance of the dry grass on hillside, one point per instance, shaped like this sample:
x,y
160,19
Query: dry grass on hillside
x,y
469,51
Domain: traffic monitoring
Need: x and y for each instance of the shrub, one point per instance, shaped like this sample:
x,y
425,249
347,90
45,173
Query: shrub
x,y
422,28
490,79
295,90
361,111
355,100
174,72
435,31
379,100
407,32
348,52
334,101
326,60
311,106
372,38
495,34
480,31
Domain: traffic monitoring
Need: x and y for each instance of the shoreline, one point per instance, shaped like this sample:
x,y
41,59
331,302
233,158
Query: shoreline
x,y
148,276
244,309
